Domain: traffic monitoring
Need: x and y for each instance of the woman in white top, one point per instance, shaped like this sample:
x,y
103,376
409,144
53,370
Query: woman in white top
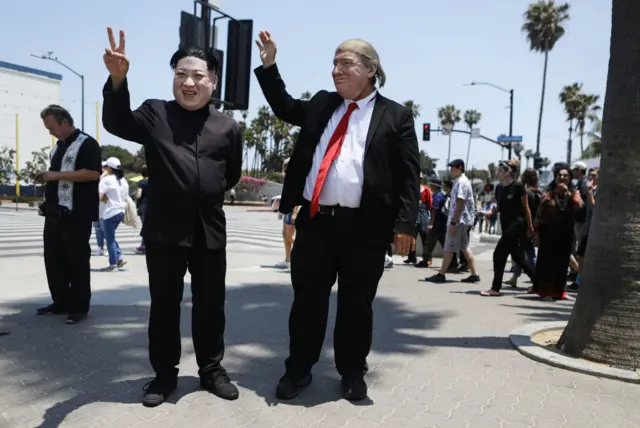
x,y
114,190
97,225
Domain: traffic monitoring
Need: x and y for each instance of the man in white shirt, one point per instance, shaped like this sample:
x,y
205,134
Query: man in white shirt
x,y
461,217
355,173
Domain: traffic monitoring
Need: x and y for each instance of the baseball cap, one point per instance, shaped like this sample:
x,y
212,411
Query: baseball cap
x,y
113,163
458,163
435,181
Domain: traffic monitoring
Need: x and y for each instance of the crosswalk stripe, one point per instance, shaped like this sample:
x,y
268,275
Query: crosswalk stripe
x,y
21,234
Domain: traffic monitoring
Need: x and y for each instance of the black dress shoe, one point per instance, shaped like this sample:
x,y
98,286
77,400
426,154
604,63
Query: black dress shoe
x,y
219,384
290,387
76,317
53,309
157,391
353,388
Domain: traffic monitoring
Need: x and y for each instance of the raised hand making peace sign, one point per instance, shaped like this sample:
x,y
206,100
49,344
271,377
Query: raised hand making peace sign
x,y
267,48
115,58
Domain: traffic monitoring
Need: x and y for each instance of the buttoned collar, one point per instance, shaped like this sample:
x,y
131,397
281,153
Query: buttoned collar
x,y
363,102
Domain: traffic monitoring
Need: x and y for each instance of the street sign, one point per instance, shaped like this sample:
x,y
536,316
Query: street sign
x,y
475,132
509,139
446,128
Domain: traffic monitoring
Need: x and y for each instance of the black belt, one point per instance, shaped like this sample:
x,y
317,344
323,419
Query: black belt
x,y
337,211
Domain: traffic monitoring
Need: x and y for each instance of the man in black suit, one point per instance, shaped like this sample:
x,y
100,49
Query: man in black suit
x,y
355,171
194,155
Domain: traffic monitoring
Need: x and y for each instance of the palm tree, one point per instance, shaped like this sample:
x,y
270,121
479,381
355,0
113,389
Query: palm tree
x,y
413,108
449,115
605,319
594,137
571,98
471,118
587,108
528,154
543,27
545,162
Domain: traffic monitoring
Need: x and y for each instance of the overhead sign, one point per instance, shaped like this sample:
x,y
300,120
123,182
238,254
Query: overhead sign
x,y
509,139
446,128
475,132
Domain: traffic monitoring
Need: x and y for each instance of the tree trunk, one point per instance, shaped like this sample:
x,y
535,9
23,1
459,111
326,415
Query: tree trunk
x,y
544,88
570,141
581,142
605,323
449,150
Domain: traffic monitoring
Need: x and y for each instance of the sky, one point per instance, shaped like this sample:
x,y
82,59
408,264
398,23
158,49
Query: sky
x,y
429,49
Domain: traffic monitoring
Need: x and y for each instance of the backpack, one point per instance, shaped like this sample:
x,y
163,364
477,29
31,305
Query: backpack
x,y
130,213
447,204
537,198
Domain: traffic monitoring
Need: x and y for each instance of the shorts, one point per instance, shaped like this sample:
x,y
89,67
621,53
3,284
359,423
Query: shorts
x,y
582,246
458,240
288,219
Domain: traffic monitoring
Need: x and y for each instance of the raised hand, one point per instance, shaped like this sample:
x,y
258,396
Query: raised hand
x,y
115,57
267,48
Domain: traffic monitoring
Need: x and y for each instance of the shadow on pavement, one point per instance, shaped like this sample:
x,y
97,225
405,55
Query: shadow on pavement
x,y
54,368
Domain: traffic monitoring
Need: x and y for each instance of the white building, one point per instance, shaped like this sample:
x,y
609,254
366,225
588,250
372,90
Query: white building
x,y
24,92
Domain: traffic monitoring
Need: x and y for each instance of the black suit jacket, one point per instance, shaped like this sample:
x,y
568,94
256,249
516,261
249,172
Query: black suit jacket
x,y
391,188
192,157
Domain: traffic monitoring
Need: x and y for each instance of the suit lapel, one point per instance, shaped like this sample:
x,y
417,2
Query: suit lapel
x,y
376,116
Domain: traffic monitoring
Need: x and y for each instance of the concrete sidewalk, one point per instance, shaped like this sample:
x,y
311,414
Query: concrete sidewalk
x,y
440,358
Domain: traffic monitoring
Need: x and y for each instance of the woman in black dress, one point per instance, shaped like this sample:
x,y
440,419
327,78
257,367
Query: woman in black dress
x,y
554,232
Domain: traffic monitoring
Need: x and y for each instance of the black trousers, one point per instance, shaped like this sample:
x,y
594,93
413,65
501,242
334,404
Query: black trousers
x,y
512,242
434,236
67,255
329,248
426,255
167,265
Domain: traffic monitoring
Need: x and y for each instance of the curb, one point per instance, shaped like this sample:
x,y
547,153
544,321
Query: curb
x,y
520,338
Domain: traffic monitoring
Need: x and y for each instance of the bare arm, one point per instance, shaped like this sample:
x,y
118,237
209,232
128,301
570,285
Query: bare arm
x,y
527,211
79,176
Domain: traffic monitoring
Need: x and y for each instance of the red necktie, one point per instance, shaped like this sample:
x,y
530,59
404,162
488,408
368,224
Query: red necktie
x,y
332,152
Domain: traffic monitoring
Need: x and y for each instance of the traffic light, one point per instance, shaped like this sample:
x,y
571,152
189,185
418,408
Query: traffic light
x,y
488,187
426,132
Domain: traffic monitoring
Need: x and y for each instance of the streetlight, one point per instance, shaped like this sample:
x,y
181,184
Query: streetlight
x,y
510,92
49,56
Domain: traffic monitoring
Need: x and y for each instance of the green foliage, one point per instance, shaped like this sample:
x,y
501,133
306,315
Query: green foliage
x,y
129,161
39,162
7,164
427,164
449,115
544,24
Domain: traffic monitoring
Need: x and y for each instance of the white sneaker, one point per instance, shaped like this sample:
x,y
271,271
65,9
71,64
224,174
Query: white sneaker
x,y
282,265
388,261
99,252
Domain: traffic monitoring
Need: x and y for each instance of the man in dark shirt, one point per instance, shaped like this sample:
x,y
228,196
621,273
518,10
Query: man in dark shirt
x,y
194,154
70,207
141,201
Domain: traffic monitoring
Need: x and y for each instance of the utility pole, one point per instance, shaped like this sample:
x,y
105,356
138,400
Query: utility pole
x,y
50,57
510,120
510,91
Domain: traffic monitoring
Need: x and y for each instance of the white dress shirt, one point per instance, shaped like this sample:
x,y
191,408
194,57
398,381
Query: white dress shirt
x,y
343,185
